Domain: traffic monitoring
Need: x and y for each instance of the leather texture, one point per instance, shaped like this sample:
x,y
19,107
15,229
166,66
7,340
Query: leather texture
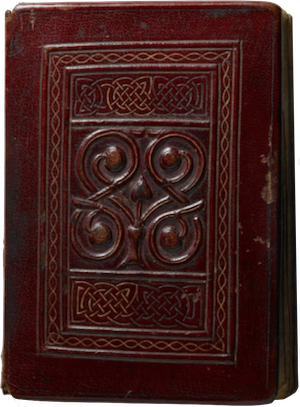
x,y
143,146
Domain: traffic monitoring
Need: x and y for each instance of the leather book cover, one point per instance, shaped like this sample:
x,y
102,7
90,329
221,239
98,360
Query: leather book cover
x,y
149,241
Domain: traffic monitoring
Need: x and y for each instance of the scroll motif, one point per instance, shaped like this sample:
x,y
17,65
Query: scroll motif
x,y
123,204
142,96
137,305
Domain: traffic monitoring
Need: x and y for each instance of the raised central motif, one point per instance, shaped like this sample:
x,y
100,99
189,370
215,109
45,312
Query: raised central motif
x,y
139,204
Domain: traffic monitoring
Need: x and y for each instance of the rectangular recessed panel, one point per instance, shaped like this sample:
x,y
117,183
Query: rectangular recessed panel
x,y
141,200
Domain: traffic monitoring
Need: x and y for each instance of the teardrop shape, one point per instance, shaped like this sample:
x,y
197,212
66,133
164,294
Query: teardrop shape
x,y
141,190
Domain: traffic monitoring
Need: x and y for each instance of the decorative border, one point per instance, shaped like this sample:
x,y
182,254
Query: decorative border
x,y
142,95
130,304
57,61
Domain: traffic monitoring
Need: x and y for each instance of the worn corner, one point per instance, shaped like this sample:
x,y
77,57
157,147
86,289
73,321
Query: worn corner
x,y
273,10
12,390
5,388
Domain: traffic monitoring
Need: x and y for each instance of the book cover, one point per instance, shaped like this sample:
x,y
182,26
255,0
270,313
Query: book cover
x,y
149,241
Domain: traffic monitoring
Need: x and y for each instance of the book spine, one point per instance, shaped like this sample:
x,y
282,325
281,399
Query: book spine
x,y
7,21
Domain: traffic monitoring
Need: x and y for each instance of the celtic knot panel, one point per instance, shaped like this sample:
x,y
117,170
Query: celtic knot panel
x,y
140,96
137,305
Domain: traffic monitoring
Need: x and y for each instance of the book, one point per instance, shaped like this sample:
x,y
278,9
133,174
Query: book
x,y
149,244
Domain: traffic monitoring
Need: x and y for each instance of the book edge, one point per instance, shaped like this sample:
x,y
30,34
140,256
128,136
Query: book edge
x,y
287,358
4,355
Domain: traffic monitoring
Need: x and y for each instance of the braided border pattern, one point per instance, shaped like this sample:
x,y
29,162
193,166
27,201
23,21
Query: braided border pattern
x,y
53,333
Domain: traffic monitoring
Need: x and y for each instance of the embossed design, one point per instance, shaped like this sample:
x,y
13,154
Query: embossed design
x,y
106,157
173,236
130,304
138,345
223,200
142,96
169,160
102,302
173,240
167,306
183,163
96,234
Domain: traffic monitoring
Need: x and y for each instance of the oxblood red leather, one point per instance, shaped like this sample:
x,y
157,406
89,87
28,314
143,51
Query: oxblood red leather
x,y
143,150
